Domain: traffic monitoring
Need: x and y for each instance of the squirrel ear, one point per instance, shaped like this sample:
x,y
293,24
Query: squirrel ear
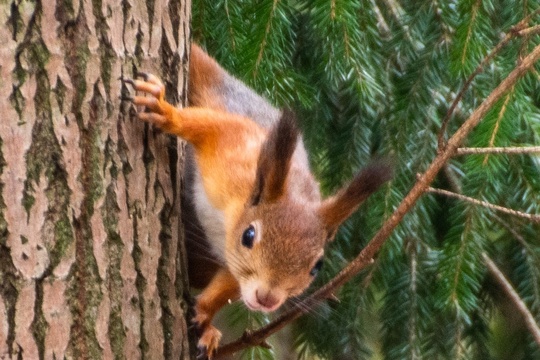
x,y
275,159
336,209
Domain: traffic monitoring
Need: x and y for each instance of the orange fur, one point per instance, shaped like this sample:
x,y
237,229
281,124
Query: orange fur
x,y
222,289
219,139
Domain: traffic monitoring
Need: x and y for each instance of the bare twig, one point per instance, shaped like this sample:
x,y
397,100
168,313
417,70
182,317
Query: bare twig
x,y
512,33
511,229
533,30
366,255
499,150
454,182
530,322
531,217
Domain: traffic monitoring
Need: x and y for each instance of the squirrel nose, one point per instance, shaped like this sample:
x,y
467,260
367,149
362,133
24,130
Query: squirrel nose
x,y
266,299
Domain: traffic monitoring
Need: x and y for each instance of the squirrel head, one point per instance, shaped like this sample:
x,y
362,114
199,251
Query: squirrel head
x,y
276,247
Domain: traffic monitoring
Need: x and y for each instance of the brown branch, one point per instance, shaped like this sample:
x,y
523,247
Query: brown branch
x,y
512,33
530,322
533,30
499,150
366,255
531,217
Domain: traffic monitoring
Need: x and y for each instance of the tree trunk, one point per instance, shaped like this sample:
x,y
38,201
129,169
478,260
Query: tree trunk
x,y
90,262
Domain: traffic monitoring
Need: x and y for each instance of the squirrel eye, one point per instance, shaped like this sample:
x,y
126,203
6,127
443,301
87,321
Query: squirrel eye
x,y
316,268
248,236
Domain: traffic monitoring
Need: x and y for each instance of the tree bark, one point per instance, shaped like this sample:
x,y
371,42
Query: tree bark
x,y
90,262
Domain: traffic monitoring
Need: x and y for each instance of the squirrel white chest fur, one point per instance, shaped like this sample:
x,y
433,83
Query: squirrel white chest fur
x,y
211,219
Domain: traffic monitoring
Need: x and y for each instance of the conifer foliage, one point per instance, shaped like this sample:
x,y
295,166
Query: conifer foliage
x,y
376,78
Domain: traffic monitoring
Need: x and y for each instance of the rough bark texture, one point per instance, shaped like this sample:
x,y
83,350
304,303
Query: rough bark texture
x,y
90,265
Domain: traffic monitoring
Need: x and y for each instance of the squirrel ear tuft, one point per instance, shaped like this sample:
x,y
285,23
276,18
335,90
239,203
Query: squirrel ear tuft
x,y
337,208
275,160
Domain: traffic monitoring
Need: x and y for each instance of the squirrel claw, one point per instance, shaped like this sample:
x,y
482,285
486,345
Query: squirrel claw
x,y
150,85
158,110
202,353
127,81
209,340
143,75
150,78
126,98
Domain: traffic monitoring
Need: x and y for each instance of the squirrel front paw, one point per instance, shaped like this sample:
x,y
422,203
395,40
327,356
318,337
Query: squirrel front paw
x,y
208,342
209,337
160,111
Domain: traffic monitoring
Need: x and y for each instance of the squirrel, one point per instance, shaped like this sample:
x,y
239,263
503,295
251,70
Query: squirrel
x,y
264,221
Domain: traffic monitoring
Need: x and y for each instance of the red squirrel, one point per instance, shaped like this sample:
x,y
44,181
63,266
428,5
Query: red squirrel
x,y
252,190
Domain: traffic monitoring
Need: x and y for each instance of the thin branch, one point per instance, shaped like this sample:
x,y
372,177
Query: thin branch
x,y
520,239
533,30
530,322
531,217
454,182
366,255
532,256
499,150
512,33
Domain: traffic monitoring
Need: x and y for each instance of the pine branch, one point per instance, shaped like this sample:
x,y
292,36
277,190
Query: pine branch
x,y
531,217
474,13
515,31
499,150
366,255
230,27
264,40
500,116
530,322
397,12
